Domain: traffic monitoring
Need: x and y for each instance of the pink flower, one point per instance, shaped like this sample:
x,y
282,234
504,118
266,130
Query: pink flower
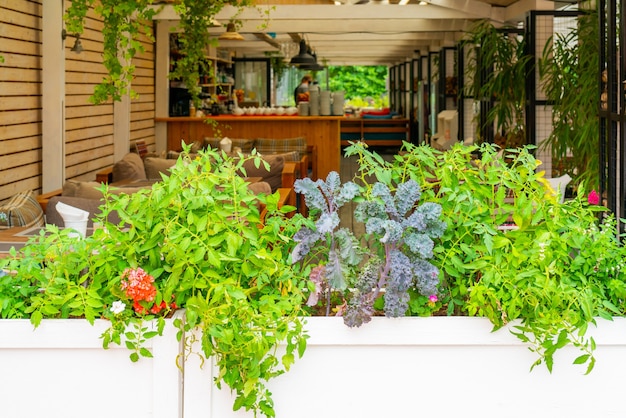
x,y
593,198
433,298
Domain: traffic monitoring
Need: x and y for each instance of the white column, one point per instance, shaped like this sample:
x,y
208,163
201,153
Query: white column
x,y
53,97
161,82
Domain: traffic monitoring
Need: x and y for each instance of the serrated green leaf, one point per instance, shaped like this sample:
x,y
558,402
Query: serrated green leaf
x,y
150,334
287,360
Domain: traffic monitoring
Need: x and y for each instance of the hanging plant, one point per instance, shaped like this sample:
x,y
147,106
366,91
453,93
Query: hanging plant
x,y
278,64
126,21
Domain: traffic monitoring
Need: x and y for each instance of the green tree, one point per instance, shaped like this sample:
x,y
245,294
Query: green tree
x,y
359,81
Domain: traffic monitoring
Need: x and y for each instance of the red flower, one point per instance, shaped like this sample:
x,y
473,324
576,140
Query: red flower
x,y
593,198
139,308
138,285
158,308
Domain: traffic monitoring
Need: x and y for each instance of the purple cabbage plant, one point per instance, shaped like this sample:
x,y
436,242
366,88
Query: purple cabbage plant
x,y
389,259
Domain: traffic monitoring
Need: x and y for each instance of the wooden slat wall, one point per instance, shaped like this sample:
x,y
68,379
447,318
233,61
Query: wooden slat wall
x,y
143,108
20,96
88,127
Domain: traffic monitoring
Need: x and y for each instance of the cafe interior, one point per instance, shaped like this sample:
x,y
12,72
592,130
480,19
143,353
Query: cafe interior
x,y
52,134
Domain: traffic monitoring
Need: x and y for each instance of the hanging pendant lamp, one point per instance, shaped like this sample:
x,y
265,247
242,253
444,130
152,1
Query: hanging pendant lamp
x,y
231,34
303,56
315,66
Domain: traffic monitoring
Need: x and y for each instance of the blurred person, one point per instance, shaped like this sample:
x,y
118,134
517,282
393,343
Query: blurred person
x,y
303,88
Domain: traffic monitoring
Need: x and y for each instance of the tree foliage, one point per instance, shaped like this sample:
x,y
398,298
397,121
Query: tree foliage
x,y
359,81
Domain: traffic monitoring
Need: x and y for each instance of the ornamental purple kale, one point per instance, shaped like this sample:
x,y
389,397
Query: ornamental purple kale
x,y
325,238
406,231
390,259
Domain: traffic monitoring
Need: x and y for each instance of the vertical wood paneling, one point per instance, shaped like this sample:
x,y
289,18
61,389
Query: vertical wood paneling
x,y
20,97
88,127
143,108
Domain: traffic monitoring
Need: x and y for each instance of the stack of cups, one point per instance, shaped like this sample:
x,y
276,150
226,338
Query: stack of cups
x,y
325,103
303,109
314,102
338,102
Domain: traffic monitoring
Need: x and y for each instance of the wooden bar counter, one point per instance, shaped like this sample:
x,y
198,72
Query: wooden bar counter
x,y
321,131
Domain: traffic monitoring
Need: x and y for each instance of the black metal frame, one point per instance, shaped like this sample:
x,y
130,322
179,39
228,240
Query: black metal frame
x,y
531,86
613,118
268,74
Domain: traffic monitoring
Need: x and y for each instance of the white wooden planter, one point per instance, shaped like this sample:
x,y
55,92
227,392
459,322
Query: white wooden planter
x,y
392,368
60,370
438,367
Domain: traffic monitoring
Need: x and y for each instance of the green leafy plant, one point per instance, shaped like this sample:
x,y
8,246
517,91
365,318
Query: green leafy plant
x,y
195,241
569,76
497,68
511,251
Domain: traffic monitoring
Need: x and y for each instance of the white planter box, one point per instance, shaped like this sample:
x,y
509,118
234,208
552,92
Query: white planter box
x,y
439,367
394,368
60,370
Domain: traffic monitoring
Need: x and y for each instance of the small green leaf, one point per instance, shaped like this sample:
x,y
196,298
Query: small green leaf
x,y
581,359
35,318
288,360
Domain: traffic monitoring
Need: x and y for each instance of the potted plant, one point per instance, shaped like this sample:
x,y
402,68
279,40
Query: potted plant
x,y
194,241
541,273
508,252
497,68
569,76
523,280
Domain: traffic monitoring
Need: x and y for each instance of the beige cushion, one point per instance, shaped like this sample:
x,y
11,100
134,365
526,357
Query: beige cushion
x,y
292,156
246,145
91,189
84,189
274,176
129,168
88,190
156,166
281,146
260,187
70,187
196,146
21,210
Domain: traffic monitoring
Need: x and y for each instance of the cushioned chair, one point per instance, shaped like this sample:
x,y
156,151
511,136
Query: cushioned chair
x,y
21,210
